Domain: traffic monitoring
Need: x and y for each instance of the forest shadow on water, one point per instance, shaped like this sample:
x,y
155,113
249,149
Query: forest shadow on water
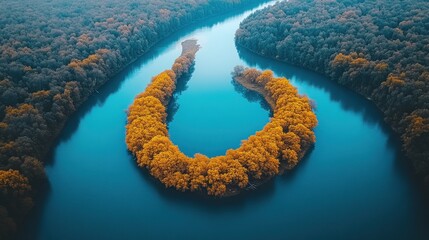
x,y
181,85
209,204
252,96
41,201
290,175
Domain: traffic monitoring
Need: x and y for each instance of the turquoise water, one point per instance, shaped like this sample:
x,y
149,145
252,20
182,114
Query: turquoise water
x,y
354,184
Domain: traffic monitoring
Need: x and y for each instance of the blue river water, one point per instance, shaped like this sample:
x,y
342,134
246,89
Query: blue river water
x,y
354,183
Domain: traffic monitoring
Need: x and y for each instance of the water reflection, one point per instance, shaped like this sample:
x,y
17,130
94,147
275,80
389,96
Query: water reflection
x,y
209,204
251,96
181,85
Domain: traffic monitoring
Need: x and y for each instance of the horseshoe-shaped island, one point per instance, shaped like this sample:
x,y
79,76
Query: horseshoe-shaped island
x,y
280,145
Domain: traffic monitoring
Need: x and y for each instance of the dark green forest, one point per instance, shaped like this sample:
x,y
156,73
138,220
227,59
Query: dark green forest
x,y
379,49
54,54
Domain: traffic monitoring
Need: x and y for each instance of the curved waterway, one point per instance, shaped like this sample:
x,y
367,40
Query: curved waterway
x,y
354,184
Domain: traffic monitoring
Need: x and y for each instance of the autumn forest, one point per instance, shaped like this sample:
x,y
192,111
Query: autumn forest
x,y
379,49
135,119
54,54
279,145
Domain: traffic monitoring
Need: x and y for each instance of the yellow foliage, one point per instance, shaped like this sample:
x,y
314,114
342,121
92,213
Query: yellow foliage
x,y
381,66
393,81
282,142
13,183
88,61
21,110
341,59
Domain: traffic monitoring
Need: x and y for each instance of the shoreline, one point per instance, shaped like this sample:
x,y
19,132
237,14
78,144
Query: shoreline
x,y
395,131
44,153
279,146
252,186
323,75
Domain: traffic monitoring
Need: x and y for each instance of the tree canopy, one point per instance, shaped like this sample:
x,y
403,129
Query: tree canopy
x,y
56,53
280,144
378,48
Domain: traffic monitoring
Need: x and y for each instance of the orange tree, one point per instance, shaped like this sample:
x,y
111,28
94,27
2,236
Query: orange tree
x,y
279,145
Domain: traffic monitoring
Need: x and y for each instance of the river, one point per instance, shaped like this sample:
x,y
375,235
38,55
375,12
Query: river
x,y
354,184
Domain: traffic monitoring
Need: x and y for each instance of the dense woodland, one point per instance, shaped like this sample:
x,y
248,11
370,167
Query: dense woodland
x,y
280,144
54,54
378,48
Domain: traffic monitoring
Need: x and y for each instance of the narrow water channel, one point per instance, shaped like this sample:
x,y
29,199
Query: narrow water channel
x,y
354,184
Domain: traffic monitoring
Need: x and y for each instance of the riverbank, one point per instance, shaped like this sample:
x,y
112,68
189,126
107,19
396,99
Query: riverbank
x,y
251,85
279,145
97,191
75,83
393,84
51,142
